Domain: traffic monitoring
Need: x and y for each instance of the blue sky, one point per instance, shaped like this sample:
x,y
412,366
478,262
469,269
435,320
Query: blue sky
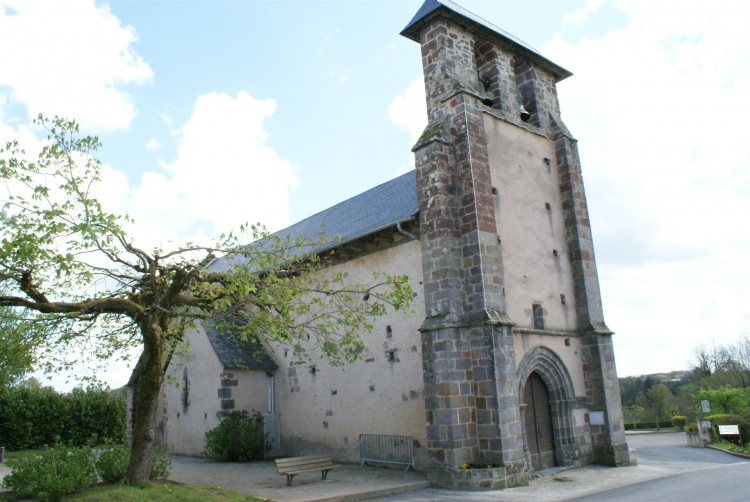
x,y
217,113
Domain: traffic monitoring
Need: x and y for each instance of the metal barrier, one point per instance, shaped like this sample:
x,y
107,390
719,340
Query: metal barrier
x,y
386,449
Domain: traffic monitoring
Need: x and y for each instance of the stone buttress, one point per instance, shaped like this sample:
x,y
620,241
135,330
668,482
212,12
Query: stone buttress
x,y
474,413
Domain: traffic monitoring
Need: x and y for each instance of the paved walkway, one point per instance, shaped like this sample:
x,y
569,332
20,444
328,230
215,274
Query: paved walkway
x,y
350,483
260,478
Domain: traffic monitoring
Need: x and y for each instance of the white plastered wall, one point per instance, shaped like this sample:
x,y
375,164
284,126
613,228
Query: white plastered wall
x,y
186,426
326,411
530,233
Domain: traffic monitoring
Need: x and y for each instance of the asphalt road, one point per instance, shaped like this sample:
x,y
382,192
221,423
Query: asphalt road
x,y
720,483
709,474
668,470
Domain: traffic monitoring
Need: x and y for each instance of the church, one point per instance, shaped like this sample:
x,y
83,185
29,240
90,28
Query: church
x,y
508,361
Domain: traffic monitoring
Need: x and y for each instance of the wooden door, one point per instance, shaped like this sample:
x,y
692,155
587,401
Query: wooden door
x,y
538,422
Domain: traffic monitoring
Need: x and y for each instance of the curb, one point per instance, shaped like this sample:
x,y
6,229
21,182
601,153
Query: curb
x,y
734,454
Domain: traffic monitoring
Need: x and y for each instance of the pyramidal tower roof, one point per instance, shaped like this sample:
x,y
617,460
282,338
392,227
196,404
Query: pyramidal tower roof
x,y
434,8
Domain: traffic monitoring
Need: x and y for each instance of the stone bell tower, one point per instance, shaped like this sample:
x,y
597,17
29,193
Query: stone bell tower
x,y
518,363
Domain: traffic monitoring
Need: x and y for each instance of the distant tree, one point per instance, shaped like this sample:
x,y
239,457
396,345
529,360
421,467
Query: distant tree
x,y
724,364
73,269
630,388
726,400
633,413
659,403
739,362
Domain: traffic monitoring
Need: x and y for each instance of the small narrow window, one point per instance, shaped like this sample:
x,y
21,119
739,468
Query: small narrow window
x,y
538,312
185,390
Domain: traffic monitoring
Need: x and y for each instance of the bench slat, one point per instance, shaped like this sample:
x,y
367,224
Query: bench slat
x,y
296,465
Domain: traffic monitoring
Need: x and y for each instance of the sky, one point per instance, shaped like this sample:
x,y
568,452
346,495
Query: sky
x,y
213,114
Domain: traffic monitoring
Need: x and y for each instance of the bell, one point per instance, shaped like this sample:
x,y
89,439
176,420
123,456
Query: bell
x,y
486,100
525,115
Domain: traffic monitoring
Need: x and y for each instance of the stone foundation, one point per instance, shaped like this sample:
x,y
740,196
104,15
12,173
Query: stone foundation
x,y
495,478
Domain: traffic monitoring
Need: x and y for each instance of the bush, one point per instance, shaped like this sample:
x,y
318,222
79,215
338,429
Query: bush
x,y
113,463
679,422
50,474
239,436
720,419
161,464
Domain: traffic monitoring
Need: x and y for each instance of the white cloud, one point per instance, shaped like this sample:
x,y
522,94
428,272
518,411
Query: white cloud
x,y
153,144
409,112
223,174
69,58
578,17
660,107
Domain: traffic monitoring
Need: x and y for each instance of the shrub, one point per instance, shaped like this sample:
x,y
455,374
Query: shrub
x,y
161,463
720,419
679,421
113,463
50,474
239,436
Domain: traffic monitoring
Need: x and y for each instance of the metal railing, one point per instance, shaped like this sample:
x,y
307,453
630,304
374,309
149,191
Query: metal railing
x,y
386,449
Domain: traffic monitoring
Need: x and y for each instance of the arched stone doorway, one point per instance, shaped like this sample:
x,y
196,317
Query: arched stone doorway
x,y
547,410
540,439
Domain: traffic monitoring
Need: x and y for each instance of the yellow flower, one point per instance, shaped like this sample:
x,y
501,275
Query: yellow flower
x,y
464,466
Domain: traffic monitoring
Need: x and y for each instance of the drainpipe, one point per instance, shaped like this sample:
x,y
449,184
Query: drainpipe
x,y
404,232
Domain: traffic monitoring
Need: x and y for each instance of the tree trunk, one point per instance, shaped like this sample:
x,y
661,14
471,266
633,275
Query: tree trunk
x,y
146,403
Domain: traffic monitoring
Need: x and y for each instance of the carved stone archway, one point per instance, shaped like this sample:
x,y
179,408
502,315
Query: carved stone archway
x,y
548,365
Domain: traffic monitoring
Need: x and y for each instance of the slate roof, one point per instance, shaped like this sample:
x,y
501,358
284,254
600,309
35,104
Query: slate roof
x,y
235,353
429,7
392,202
382,207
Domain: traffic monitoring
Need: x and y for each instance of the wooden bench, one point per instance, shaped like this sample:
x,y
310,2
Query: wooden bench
x,y
297,465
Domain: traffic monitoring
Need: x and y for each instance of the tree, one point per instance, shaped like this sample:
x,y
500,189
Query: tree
x,y
633,412
659,402
73,269
18,342
726,400
724,365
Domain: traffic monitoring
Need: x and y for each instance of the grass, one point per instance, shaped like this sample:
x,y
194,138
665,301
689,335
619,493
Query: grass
x,y
19,453
734,448
154,492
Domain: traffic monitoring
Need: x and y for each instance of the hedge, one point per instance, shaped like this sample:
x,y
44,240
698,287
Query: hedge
x,y
720,419
662,424
33,417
